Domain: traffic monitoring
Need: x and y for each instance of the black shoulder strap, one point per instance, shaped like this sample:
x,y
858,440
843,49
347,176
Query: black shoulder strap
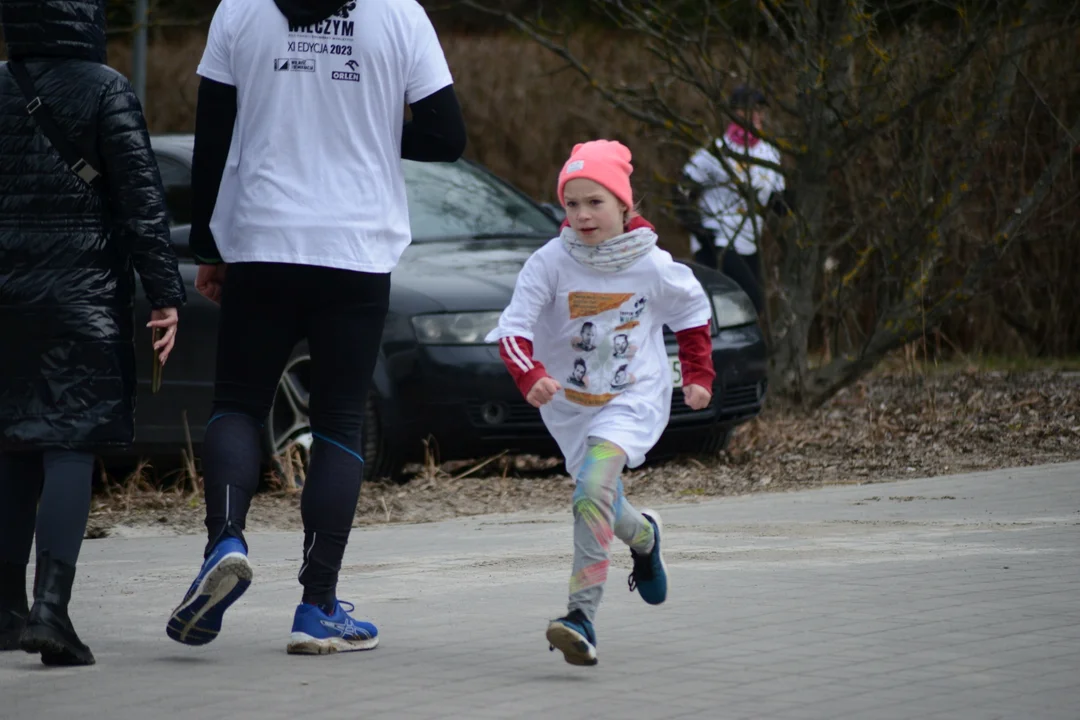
x,y
38,110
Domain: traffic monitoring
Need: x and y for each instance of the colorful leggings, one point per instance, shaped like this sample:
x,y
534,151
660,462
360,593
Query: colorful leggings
x,y
601,512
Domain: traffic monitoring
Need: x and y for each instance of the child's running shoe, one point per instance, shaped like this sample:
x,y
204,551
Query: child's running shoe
x,y
224,577
575,637
649,576
316,633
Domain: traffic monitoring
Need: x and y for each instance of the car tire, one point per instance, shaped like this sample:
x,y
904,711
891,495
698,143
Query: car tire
x,y
287,435
380,460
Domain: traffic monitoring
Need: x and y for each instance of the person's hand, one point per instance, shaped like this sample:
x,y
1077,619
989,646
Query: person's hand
x,y
542,392
167,319
210,281
697,397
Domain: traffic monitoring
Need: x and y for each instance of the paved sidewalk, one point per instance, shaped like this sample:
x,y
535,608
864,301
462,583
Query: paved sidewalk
x,y
947,598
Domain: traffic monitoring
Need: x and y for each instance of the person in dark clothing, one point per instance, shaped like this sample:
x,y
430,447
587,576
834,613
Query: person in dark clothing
x,y
68,250
297,221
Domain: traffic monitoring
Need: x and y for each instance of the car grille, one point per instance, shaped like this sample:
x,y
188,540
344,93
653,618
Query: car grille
x,y
521,414
744,395
734,397
515,414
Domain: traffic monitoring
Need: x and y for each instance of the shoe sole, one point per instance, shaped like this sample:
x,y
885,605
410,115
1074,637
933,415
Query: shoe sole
x,y
198,620
576,648
663,565
53,652
304,644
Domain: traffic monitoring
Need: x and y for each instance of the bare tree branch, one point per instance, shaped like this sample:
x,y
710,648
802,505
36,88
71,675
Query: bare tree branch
x,y
842,371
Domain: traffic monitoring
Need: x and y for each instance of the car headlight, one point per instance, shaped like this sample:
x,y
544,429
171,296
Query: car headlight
x,y
733,309
455,328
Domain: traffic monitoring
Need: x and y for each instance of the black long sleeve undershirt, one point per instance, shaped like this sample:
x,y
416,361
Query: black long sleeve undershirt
x,y
214,119
436,132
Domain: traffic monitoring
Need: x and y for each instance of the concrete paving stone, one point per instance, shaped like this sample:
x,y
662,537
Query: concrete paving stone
x,y
861,705
873,682
1034,677
792,606
973,679
898,711
761,707
967,714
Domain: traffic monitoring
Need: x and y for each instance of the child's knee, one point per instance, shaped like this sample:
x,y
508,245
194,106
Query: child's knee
x,y
587,490
593,496
604,450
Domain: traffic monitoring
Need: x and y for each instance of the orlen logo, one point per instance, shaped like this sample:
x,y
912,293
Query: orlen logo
x,y
350,76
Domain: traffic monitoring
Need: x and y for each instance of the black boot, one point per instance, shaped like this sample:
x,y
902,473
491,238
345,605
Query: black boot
x,y
13,608
48,628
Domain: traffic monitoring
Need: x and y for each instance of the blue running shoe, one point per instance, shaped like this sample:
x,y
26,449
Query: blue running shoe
x,y
316,633
575,636
224,577
649,576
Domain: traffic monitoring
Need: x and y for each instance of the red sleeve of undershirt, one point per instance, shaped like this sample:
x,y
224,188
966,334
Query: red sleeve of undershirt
x,y
695,356
517,353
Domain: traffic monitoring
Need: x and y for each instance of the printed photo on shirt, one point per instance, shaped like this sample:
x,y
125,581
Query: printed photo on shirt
x,y
623,379
580,376
586,342
623,350
630,315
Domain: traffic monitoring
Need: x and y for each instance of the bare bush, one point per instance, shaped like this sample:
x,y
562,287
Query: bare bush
x,y
525,109
887,136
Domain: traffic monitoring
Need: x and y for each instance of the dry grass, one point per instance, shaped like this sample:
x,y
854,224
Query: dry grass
x,y
908,420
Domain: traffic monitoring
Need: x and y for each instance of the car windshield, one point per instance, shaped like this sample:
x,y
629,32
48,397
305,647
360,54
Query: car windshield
x,y
445,199
459,199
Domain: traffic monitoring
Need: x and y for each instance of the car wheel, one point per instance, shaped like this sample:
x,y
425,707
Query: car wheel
x,y
380,461
288,434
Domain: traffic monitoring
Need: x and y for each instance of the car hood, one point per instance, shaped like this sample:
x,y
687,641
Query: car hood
x,y
463,275
467,275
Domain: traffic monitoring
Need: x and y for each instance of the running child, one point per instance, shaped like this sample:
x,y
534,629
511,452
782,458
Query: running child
x,y
583,339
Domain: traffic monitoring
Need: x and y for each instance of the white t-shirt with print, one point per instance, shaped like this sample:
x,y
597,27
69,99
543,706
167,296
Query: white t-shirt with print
x,y
600,335
314,173
723,208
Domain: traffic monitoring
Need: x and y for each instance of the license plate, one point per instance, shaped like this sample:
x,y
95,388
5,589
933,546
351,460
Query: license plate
x,y
676,371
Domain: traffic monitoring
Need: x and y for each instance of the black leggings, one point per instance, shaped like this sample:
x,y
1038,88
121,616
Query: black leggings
x,y
743,269
61,480
266,309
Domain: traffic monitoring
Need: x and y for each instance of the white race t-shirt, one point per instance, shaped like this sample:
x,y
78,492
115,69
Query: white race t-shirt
x,y
723,208
600,335
314,172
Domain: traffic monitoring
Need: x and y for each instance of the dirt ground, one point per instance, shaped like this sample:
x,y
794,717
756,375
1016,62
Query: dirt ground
x,y
891,426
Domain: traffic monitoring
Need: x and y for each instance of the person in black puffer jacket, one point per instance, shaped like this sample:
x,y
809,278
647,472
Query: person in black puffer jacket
x,y
68,256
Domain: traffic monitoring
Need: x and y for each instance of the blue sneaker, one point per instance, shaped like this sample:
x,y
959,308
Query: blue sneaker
x,y
649,576
224,577
316,633
575,636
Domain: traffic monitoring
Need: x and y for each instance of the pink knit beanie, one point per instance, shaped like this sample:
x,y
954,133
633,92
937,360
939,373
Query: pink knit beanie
x,y
606,162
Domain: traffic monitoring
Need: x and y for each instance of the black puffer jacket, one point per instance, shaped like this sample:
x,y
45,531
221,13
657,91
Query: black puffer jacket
x,y
68,252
